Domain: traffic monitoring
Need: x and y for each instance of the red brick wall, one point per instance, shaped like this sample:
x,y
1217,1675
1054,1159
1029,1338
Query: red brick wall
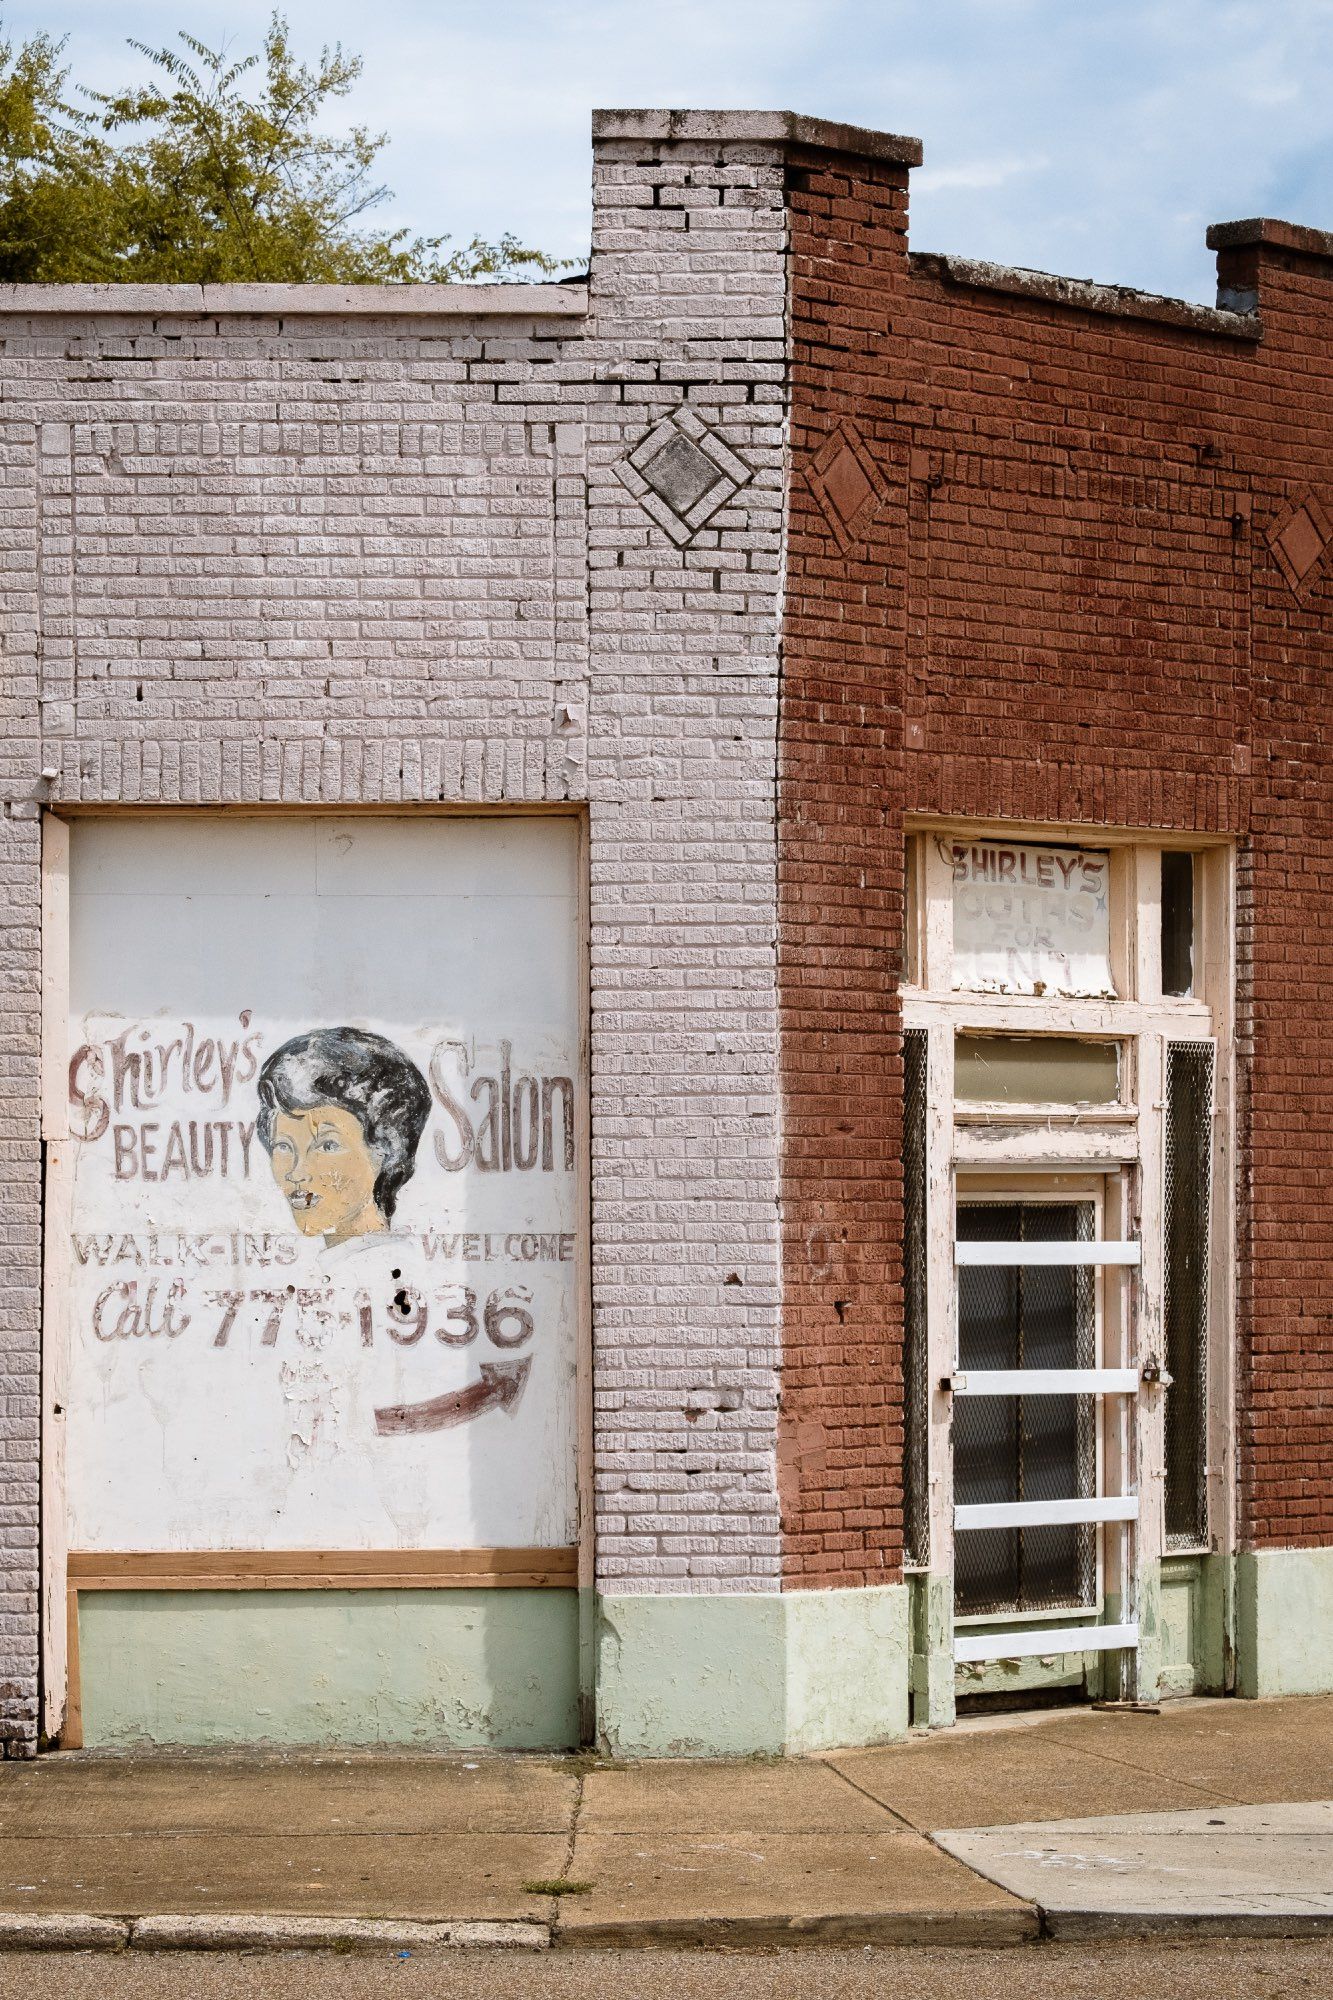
x,y
1284,424
1057,602
841,785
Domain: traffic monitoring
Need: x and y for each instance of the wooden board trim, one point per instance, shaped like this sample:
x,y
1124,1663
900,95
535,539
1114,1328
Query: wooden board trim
x,y
71,1724
58,1177
324,1569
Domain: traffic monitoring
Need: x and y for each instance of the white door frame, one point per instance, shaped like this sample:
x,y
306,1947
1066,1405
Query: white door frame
x,y
1125,1142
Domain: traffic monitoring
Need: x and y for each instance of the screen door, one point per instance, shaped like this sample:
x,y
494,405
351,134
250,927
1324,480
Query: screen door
x,y
1024,1448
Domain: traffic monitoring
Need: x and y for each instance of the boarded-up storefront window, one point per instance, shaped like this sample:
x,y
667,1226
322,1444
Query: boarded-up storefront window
x,y
324,1086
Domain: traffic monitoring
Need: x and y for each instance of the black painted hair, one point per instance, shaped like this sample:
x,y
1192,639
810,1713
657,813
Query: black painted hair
x,y
364,1074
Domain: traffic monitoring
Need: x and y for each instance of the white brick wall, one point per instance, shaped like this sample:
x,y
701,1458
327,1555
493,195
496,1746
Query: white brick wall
x,y
383,556
689,296
20,1148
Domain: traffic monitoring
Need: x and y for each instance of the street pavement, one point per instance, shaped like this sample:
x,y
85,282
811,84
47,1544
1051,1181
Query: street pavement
x,y
1079,1823
1280,1970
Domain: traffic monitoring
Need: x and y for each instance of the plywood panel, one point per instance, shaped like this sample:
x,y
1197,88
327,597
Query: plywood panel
x,y
326,1098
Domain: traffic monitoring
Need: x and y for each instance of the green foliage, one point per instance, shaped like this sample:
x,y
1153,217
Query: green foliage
x,y
216,172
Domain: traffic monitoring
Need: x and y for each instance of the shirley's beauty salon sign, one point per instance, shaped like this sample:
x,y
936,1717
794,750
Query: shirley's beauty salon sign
x,y
324,1092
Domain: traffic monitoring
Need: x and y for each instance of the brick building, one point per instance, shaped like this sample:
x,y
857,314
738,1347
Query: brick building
x,y
804,763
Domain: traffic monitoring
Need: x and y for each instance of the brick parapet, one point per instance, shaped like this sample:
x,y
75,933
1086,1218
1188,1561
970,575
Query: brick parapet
x,y
1085,295
785,131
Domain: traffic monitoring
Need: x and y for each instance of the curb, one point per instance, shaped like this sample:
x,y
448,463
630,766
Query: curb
x,y
1109,1926
1026,1924
1018,1926
21,1931
215,1932
281,1933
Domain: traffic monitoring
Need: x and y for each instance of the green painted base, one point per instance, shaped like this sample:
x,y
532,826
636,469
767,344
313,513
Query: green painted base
x,y
933,1702
435,1669
761,1675
752,1675
1284,1621
495,1669
1184,1643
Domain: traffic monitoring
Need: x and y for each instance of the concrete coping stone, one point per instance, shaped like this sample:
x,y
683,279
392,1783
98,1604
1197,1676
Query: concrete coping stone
x,y
1086,295
756,128
561,302
1276,235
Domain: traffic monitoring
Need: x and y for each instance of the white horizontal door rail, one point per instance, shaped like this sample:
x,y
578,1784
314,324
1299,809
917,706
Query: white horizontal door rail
x,y
1045,1382
1016,1644
1045,1513
1063,1253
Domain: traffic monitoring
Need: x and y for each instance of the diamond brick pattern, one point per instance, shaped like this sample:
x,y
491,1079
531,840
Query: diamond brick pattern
x,y
1298,539
681,473
847,483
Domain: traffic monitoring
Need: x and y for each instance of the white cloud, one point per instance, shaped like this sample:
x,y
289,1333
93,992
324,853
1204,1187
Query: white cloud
x,y
971,174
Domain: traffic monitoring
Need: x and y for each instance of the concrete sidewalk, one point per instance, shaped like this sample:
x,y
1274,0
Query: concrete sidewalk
x,y
1254,1869
1042,1838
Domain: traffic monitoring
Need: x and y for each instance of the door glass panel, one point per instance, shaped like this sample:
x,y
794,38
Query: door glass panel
x,y
1024,1447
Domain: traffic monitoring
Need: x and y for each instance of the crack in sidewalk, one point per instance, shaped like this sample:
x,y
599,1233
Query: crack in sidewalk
x,y
574,1818
565,1875
1211,1795
892,1811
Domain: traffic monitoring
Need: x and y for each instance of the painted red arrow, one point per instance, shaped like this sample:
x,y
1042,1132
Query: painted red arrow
x,y
500,1387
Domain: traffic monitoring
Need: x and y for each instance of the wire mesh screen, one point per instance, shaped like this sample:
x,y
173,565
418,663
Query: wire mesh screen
x,y
1189,1153
1025,1447
916,1355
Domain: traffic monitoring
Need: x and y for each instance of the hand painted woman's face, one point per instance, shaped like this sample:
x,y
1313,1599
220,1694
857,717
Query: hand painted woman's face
x,y
326,1170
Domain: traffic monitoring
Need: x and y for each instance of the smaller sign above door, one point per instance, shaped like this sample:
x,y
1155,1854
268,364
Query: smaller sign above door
x,y
1030,919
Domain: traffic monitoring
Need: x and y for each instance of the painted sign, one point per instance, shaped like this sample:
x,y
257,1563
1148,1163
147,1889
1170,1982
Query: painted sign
x,y
324,1090
1030,919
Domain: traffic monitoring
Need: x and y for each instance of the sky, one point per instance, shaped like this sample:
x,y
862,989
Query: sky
x,y
1096,138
